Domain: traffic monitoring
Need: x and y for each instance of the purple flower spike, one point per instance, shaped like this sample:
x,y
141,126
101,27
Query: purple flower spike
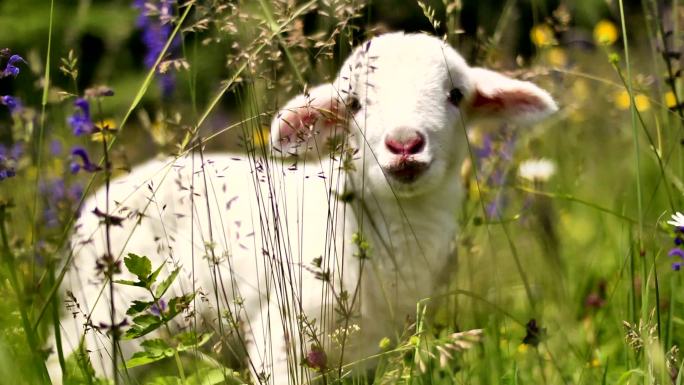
x,y
80,121
676,252
85,165
11,69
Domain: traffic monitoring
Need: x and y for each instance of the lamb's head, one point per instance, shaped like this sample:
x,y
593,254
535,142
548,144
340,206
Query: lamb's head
x,y
401,100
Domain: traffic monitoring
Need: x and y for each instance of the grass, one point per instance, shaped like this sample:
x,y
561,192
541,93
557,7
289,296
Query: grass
x,y
569,280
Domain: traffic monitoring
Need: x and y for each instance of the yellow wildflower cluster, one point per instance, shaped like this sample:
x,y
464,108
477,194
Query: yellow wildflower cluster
x,y
623,101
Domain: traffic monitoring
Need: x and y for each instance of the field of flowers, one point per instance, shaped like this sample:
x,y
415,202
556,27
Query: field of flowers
x,y
571,245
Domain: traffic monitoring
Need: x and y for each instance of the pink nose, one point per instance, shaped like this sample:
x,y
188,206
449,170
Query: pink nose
x,y
407,146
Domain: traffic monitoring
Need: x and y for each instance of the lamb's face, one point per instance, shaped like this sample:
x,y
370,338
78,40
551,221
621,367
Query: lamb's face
x,y
403,94
401,100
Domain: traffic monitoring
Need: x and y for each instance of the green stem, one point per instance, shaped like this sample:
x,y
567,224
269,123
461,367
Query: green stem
x,y
635,131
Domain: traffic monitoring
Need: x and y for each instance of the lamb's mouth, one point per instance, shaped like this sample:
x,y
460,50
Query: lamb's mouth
x,y
407,170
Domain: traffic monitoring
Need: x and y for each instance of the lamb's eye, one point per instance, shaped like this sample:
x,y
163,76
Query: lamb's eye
x,y
354,105
455,96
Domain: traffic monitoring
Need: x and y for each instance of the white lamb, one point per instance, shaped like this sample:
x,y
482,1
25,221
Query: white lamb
x,y
291,249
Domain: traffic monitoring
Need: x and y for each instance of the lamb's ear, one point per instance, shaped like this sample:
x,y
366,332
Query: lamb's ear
x,y
308,119
498,96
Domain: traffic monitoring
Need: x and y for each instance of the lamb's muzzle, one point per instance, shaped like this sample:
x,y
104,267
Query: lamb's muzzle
x,y
303,261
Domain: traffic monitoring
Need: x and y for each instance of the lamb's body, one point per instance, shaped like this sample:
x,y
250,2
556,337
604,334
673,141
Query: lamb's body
x,y
265,222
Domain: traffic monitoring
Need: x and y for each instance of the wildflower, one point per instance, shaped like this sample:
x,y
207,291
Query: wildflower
x,y
158,308
59,199
537,170
678,222
623,101
103,129
670,100
542,35
79,153
80,121
642,102
316,358
8,160
605,33
155,33
13,104
10,68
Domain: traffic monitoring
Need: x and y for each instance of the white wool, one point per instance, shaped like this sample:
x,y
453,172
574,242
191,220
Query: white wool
x,y
263,222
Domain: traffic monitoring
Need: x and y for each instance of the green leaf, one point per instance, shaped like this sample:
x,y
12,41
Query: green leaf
x,y
138,307
139,266
153,277
189,340
213,376
126,282
142,325
155,346
143,358
161,289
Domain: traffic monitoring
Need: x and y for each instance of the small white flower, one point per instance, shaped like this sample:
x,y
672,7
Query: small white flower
x,y
677,220
537,170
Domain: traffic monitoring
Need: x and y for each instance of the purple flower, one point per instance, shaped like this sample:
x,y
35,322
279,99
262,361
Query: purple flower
x,y
676,252
80,121
155,33
12,103
59,199
676,266
316,358
158,308
8,160
10,68
79,153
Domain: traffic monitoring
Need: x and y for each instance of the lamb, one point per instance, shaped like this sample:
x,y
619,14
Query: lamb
x,y
343,224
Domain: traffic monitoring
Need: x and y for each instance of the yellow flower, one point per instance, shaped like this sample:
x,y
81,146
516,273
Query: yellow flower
x,y
107,126
670,100
557,57
641,102
595,363
623,101
523,348
542,35
384,343
605,32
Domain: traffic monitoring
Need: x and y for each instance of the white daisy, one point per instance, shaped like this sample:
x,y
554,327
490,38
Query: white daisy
x,y
537,170
677,220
